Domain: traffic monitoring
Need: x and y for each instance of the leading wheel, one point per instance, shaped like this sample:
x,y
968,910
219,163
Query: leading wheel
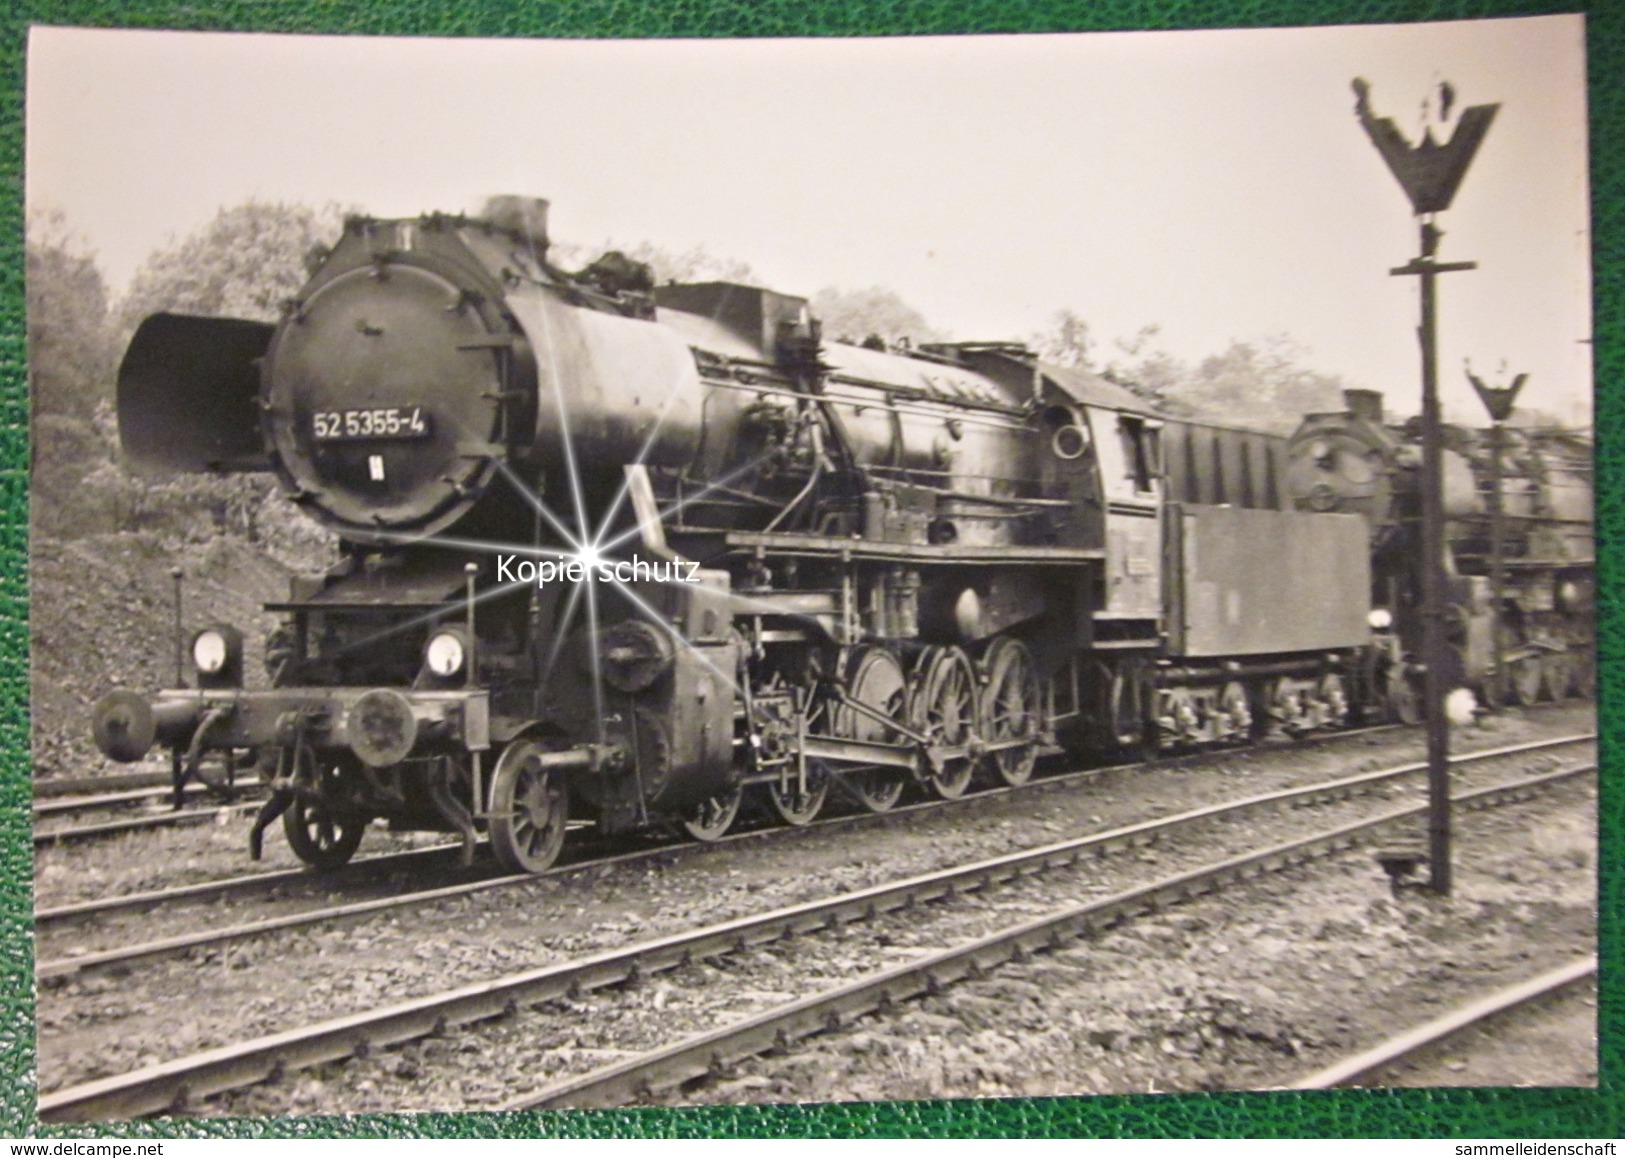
x,y
322,837
876,681
943,706
530,807
1012,710
714,817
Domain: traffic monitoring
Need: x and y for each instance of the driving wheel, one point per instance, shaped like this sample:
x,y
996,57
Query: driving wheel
x,y
876,681
1012,710
1557,674
798,804
1524,677
1404,700
944,707
714,817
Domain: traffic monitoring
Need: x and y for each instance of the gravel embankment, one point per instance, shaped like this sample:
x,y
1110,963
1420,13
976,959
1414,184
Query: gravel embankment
x,y
101,616
103,1024
1250,990
340,970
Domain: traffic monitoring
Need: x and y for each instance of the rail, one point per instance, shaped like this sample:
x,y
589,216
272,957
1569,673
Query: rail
x,y
174,1084
1475,1013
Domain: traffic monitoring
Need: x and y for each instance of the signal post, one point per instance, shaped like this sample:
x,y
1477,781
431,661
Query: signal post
x,y
1430,174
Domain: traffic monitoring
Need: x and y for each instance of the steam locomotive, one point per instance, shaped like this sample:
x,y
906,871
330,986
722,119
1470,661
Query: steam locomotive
x,y
884,570
1357,462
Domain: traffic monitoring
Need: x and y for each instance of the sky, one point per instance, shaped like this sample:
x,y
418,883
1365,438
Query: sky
x,y
1215,184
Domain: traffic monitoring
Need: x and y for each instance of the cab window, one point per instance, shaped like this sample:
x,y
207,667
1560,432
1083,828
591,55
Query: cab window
x,y
1140,463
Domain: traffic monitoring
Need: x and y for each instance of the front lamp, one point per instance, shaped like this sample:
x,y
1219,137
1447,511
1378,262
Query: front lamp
x,y
209,652
446,654
217,657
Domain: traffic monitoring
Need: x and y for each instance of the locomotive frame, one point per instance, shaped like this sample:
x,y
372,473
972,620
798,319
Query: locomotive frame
x,y
916,568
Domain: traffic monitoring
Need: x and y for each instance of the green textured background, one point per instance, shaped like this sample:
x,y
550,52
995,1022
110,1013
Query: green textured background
x,y
1440,1113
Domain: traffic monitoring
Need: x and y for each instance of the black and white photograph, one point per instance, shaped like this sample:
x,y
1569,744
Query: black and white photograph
x,y
619,573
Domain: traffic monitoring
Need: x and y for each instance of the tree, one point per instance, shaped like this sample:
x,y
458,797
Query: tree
x,y
694,264
1067,342
71,346
72,353
244,263
1261,384
1150,374
857,315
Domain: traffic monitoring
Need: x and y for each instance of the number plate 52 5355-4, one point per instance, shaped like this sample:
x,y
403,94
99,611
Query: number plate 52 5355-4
x,y
378,422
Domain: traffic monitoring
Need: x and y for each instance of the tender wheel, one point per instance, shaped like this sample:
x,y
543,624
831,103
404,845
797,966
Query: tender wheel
x,y
1583,674
1404,698
530,807
1333,699
1556,675
876,680
1524,677
944,706
1125,713
1012,709
319,836
1237,710
797,805
714,817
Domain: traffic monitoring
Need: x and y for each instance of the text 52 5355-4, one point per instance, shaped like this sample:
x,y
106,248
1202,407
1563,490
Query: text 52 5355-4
x,y
379,422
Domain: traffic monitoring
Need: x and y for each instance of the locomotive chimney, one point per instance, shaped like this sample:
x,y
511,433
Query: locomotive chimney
x,y
524,217
1365,404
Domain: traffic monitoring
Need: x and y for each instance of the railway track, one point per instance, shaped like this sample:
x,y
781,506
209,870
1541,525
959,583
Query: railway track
x,y
153,787
44,837
108,788
51,968
177,1084
249,884
1354,1070
51,787
649,1073
48,807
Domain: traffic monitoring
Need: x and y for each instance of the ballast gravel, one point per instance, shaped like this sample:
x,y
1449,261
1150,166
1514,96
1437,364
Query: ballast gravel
x,y
485,1066
103,1024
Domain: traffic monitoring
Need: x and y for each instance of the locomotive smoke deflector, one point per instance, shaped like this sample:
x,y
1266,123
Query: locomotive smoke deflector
x,y
188,395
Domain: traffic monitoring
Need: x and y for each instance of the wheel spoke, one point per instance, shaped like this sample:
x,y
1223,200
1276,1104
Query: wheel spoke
x,y
944,708
529,807
320,837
